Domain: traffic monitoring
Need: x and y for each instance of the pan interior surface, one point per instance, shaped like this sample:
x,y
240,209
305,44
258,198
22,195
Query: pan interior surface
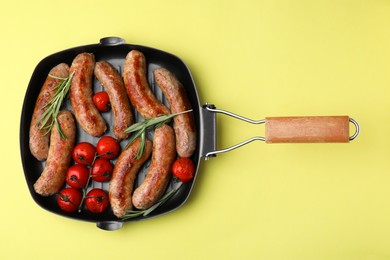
x,y
115,54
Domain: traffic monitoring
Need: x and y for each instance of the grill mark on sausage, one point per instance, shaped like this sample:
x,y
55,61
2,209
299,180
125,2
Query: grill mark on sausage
x,y
39,139
184,124
137,87
123,177
87,115
59,157
113,84
157,178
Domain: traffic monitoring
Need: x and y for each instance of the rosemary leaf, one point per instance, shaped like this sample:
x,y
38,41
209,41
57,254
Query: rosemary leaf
x,y
62,135
132,139
136,127
56,77
45,117
141,146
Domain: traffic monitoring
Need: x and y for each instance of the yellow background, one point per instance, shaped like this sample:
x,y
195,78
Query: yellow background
x,y
256,58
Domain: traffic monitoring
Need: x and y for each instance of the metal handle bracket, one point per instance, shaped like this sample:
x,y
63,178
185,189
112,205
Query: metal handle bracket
x,y
214,152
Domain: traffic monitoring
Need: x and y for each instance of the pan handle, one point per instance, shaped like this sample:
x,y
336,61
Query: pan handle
x,y
111,41
304,129
109,225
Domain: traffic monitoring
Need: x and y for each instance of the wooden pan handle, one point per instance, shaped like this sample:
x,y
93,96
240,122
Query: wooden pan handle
x,y
307,129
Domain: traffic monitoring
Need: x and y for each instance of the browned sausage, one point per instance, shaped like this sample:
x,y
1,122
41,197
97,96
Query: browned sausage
x,y
138,89
112,82
158,175
39,139
86,113
60,155
184,124
123,176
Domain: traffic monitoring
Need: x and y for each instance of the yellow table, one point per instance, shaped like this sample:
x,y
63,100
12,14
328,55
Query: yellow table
x,y
256,58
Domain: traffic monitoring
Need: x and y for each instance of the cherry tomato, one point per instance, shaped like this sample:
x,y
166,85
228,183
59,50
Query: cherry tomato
x,y
69,199
96,200
108,147
102,101
77,176
84,153
183,169
102,170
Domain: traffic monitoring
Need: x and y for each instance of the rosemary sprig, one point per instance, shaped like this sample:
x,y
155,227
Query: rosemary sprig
x,y
49,117
160,120
141,127
137,213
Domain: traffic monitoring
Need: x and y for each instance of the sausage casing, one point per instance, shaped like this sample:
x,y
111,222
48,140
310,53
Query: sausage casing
x,y
184,124
86,113
112,82
39,139
123,176
137,87
157,178
60,154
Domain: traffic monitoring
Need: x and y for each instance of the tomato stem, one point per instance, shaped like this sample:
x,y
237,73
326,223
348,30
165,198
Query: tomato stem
x,y
103,154
84,190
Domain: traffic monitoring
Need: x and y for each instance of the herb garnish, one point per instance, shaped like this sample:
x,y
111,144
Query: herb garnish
x,y
141,127
49,117
137,213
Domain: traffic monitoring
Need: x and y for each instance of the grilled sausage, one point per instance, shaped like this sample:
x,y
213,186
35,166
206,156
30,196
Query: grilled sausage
x,y
39,139
86,113
138,89
184,124
112,82
123,177
60,154
158,175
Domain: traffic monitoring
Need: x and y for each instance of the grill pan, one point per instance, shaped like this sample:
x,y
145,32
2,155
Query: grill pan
x,y
114,50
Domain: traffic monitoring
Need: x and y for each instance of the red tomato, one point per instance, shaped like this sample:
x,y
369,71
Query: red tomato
x,y
102,101
84,153
96,200
77,176
108,147
102,170
69,199
183,169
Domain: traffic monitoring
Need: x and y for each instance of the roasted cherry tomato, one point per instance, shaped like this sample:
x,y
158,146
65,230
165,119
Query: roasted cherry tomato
x,y
102,170
108,147
69,199
96,200
183,169
77,176
84,153
102,101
